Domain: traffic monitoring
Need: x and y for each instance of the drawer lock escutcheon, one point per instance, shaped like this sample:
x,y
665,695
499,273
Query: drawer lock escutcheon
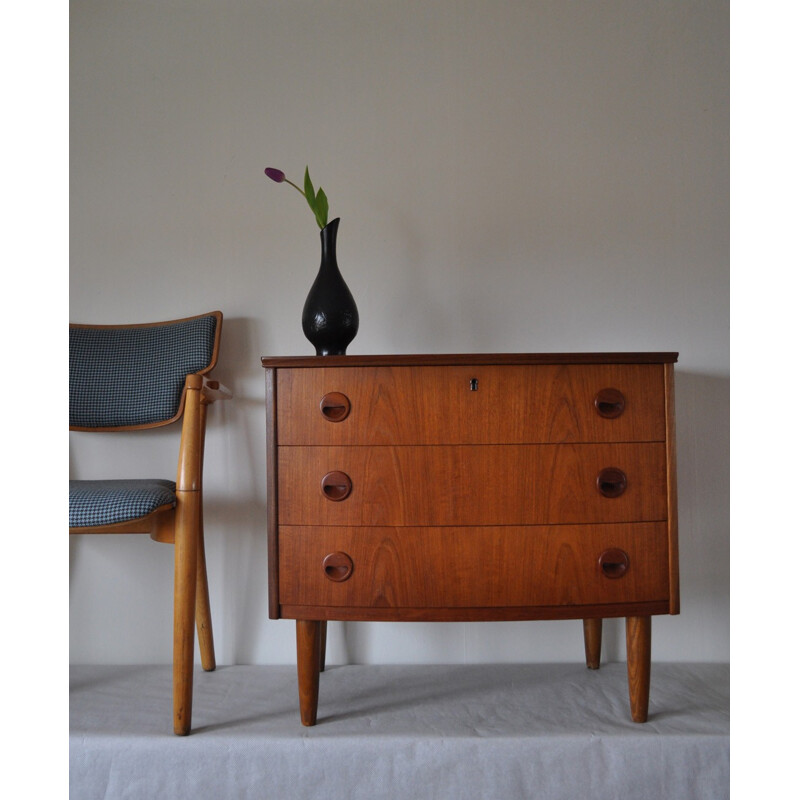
x,y
336,486
337,567
335,406
613,563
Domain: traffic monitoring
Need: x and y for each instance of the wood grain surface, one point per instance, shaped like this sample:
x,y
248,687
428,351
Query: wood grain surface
x,y
472,488
457,359
509,404
482,567
471,484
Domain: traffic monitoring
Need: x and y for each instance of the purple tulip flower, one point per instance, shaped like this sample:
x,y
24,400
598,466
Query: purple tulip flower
x,y
318,202
275,174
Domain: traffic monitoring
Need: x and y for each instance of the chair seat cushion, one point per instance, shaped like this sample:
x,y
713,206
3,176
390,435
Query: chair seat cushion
x,y
93,503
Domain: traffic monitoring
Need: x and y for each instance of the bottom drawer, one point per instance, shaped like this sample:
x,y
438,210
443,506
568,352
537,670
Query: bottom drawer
x,y
476,567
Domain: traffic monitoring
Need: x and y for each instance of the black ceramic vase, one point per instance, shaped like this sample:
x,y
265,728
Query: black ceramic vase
x,y
330,316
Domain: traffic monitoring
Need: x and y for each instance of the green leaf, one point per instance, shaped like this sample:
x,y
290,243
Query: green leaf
x,y
309,189
321,210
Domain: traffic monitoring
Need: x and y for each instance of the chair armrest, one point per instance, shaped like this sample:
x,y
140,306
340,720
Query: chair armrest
x,y
214,390
200,392
210,390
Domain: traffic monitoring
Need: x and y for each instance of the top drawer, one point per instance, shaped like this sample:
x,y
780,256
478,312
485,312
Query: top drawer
x,y
484,404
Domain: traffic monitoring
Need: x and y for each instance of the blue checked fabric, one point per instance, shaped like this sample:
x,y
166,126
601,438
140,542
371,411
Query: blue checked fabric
x,y
134,376
108,502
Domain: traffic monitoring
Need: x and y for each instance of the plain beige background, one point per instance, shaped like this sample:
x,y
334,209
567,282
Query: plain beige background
x,y
511,176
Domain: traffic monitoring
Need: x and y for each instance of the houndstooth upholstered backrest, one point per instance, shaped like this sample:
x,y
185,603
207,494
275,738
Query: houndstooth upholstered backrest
x,y
132,376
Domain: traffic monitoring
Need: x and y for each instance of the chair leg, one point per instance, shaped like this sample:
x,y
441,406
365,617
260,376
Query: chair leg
x,y
205,633
186,546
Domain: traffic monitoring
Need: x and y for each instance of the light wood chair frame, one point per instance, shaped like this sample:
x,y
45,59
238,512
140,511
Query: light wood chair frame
x,y
182,525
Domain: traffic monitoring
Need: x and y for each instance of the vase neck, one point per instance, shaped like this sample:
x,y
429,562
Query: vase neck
x,y
327,237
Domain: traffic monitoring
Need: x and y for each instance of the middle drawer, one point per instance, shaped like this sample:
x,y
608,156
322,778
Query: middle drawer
x,y
472,484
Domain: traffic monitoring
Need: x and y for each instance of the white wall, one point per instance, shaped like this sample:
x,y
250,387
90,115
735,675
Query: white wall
x,y
536,176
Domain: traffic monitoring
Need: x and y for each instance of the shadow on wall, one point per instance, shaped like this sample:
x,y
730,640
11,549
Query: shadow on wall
x,y
703,437
703,425
702,410
236,535
242,450
235,503
240,340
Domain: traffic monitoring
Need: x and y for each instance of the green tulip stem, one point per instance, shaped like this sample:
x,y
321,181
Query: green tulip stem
x,y
295,186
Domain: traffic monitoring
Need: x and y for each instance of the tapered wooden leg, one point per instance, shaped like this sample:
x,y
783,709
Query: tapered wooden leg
x,y
308,663
205,633
637,634
323,642
592,639
186,527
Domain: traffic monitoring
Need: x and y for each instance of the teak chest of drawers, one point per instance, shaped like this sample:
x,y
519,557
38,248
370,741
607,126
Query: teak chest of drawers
x,y
472,488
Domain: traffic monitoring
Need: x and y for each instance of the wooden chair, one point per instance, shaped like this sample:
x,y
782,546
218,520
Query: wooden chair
x,y
131,377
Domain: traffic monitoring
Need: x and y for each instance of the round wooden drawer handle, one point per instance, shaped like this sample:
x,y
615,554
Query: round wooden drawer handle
x,y
610,403
613,562
336,486
335,406
337,567
611,482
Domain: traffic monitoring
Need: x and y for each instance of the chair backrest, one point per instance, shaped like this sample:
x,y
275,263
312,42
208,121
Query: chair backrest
x,y
124,377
